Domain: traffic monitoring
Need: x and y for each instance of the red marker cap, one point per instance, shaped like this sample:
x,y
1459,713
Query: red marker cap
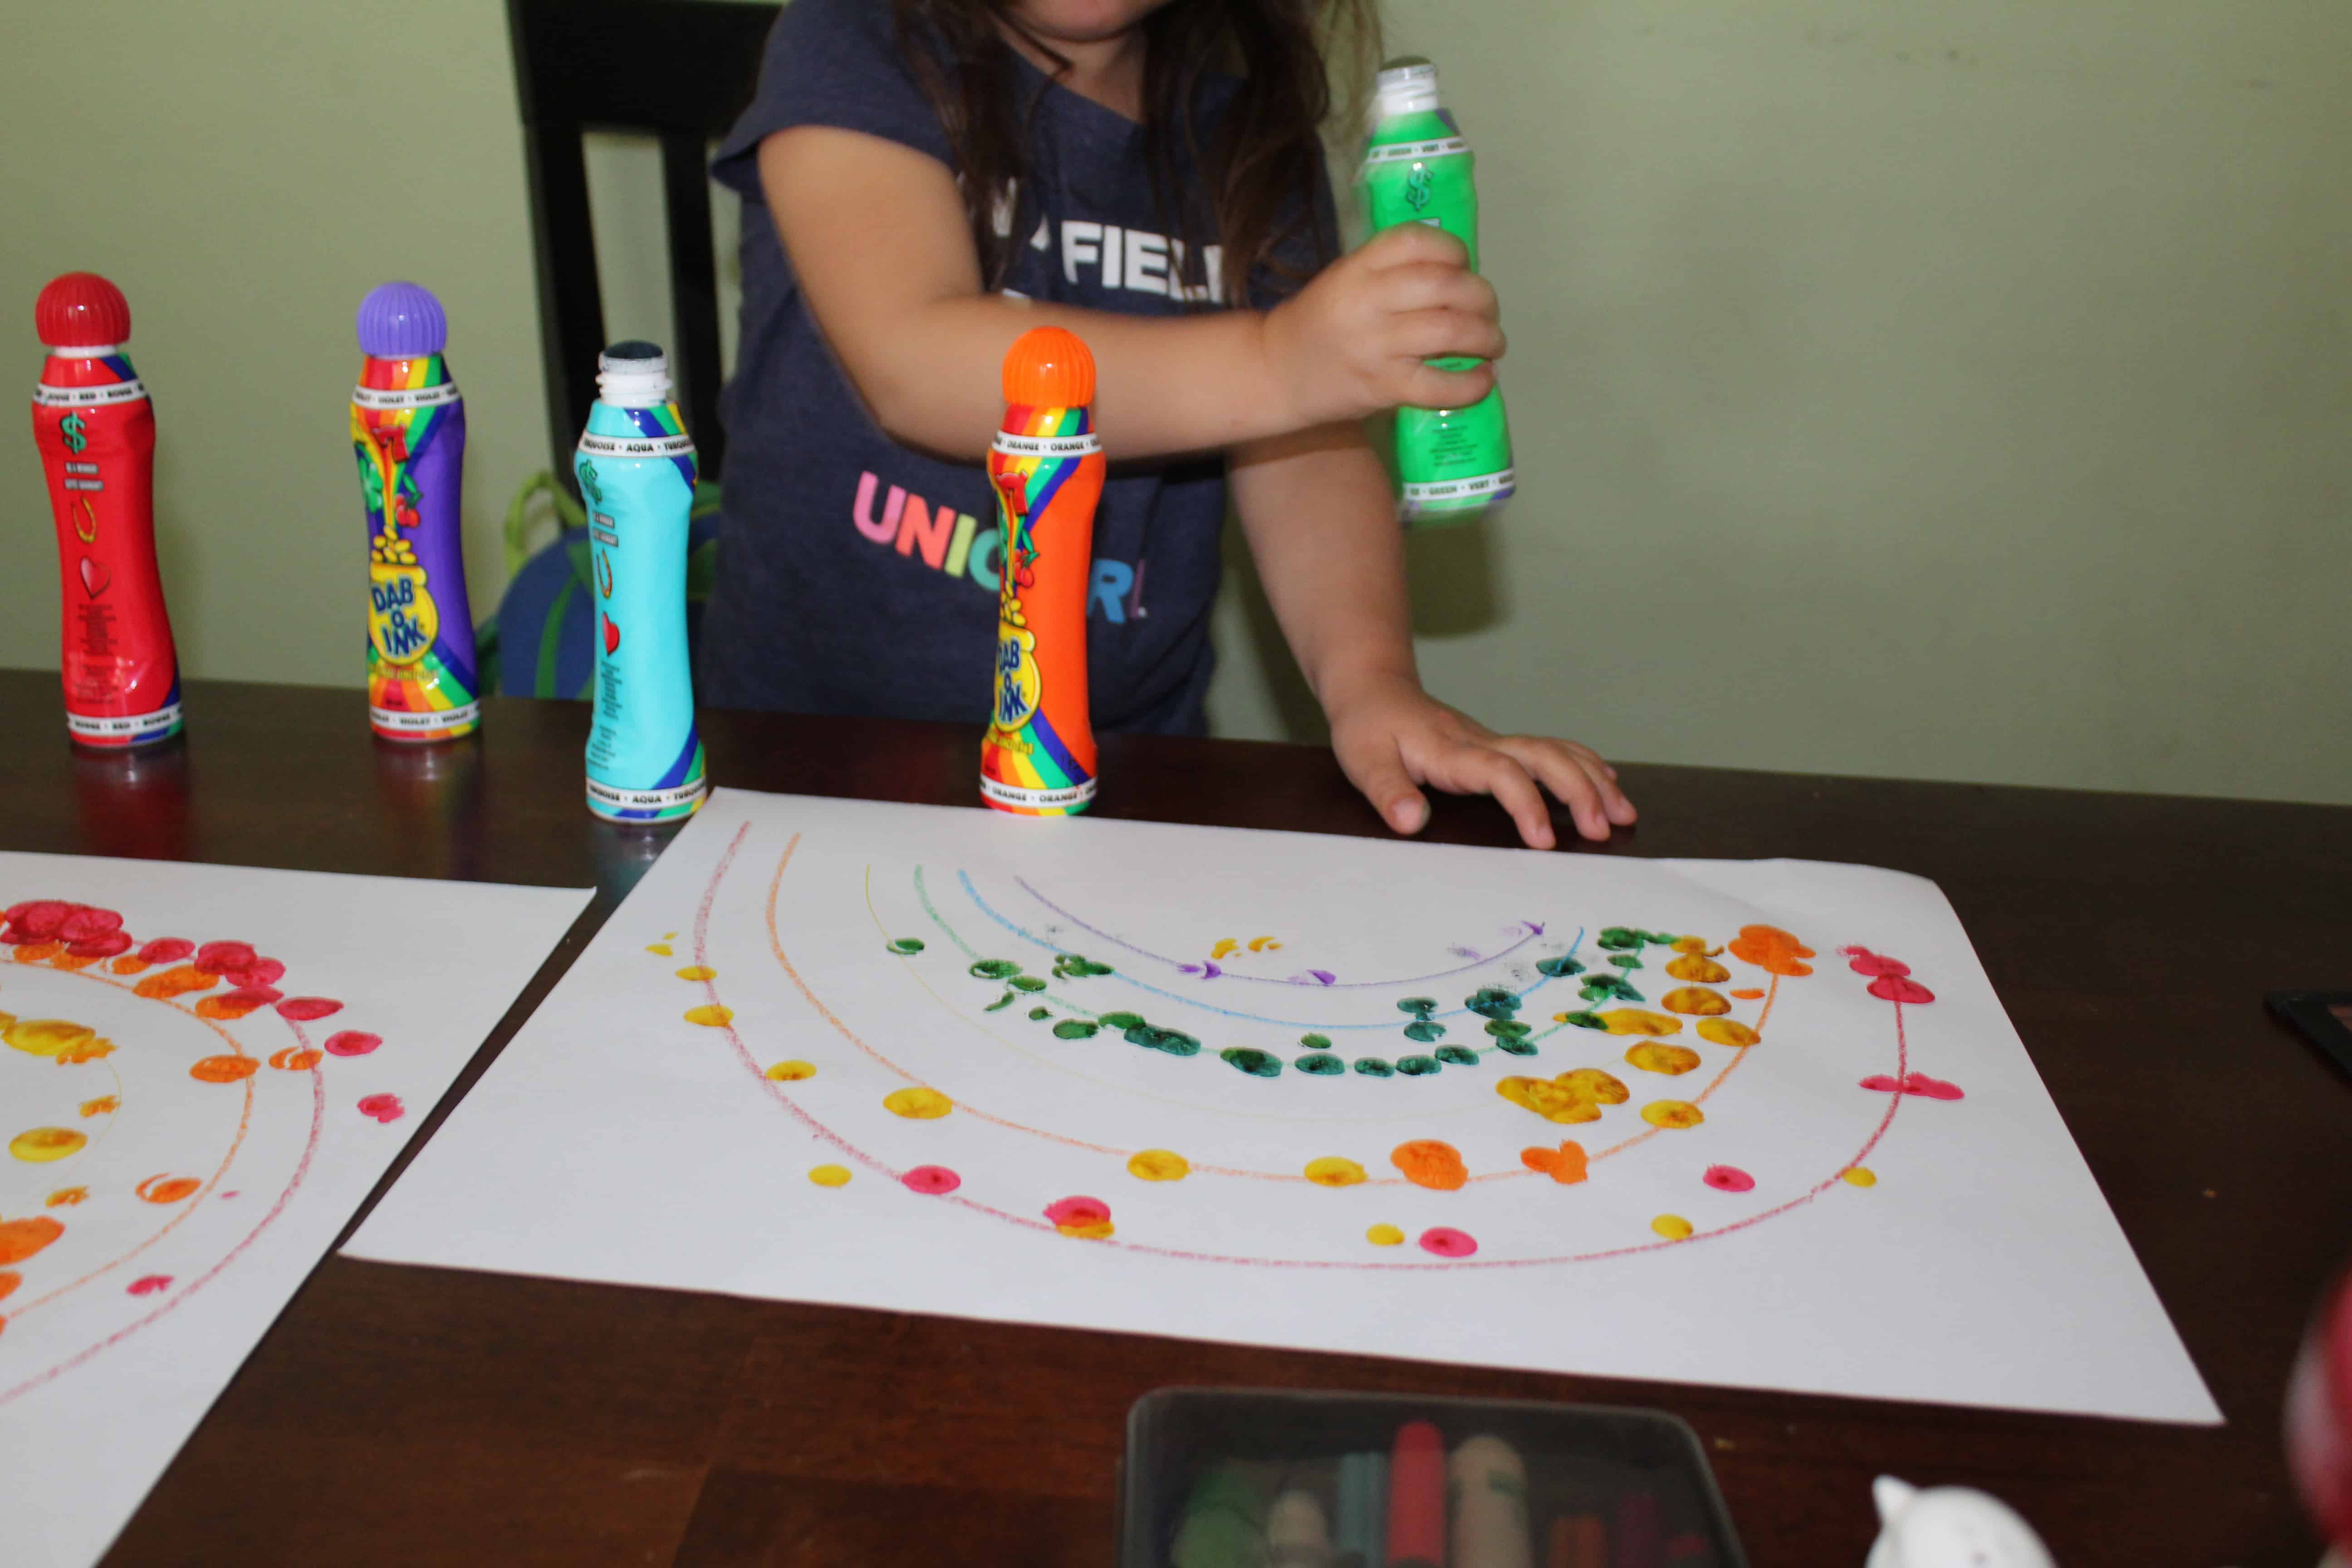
x,y
1417,1497
1049,367
81,310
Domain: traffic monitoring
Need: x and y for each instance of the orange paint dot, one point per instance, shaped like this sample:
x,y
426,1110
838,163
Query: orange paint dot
x,y
918,1104
296,1058
791,1071
224,1070
1672,1060
1331,1171
231,1005
65,1198
697,972
1695,1000
1673,1115
1749,992
167,1189
129,963
1673,1226
35,952
39,1146
1726,1032
1861,1176
104,1105
710,1015
1159,1165
72,960
830,1175
164,985
1427,1162
1772,950
1566,1164
20,1238
1385,1236
9,1280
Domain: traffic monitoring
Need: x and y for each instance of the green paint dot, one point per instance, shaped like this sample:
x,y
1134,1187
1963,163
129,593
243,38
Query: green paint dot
x,y
1493,1002
1664,939
1458,1055
1585,1020
1509,1028
1122,1020
1417,1067
1070,966
1175,1042
1619,938
1026,983
1322,1064
1625,960
907,946
1420,1007
1037,1012
1373,1066
1560,967
1000,1004
994,968
1315,1042
1515,1044
1253,1061
1425,1030
1075,1029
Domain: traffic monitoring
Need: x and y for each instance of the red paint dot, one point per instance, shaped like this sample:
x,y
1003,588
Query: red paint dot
x,y
302,1009
148,1284
1078,1211
219,957
931,1180
1729,1179
83,922
35,919
1862,960
352,1043
1447,1242
167,950
384,1107
260,972
105,944
1895,988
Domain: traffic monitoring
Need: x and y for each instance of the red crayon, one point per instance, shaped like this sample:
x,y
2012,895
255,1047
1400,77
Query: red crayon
x,y
1417,1497
96,431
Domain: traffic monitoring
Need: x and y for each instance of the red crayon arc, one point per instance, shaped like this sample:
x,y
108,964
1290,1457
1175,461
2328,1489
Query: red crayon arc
x,y
1417,1497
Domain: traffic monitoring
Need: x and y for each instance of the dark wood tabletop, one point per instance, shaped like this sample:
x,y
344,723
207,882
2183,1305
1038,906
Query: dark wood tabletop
x,y
419,1415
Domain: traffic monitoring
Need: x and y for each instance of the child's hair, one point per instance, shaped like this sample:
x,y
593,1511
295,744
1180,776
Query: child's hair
x,y
1259,170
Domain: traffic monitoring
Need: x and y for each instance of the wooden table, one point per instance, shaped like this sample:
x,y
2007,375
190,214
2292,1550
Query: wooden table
x,y
413,1415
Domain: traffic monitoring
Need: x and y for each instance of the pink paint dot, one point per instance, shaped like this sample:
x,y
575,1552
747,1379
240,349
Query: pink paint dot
x,y
230,1194
1447,1242
302,1009
1729,1179
932,1181
249,996
1078,1211
105,944
1864,962
384,1107
260,972
148,1284
352,1043
1895,988
219,957
1919,1083
167,950
37,920
83,922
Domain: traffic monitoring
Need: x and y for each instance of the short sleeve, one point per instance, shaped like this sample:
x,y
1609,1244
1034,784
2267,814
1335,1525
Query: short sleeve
x,y
837,63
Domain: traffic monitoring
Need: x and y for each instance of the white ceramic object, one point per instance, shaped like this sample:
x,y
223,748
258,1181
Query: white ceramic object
x,y
1951,1527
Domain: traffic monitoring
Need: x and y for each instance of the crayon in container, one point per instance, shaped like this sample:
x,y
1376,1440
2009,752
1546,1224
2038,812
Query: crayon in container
x,y
1047,468
636,467
95,431
408,431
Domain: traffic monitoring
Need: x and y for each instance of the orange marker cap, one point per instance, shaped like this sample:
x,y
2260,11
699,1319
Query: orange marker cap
x,y
1049,367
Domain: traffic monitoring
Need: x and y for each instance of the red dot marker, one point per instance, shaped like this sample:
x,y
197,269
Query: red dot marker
x,y
1417,1497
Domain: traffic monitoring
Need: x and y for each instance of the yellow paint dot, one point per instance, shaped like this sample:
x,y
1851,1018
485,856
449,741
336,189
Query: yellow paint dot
x,y
1672,1060
918,1104
791,1071
662,948
1694,999
1641,1021
1861,1176
1726,1032
1673,1114
1331,1171
1384,1235
830,1176
710,1015
697,972
43,1144
44,1036
1673,1226
1159,1165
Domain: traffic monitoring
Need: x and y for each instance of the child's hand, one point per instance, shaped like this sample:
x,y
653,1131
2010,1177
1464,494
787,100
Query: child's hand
x,y
1351,342
1393,735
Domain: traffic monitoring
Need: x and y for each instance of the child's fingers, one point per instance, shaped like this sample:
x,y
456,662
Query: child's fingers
x,y
1426,387
1434,334
1469,768
1577,776
1414,242
1378,772
1427,286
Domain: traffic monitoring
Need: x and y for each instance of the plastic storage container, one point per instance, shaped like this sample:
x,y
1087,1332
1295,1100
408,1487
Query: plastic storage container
x,y
1225,1478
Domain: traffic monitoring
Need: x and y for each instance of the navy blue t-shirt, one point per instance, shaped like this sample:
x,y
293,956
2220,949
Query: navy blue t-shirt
x,y
859,577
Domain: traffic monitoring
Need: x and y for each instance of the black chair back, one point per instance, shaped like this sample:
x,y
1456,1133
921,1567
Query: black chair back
x,y
682,69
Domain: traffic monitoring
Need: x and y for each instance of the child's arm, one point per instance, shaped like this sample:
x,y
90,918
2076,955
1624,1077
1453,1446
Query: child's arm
x,y
877,235
1322,524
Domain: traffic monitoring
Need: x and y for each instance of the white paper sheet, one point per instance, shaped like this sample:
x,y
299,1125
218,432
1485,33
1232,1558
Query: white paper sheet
x,y
1941,1243
187,1133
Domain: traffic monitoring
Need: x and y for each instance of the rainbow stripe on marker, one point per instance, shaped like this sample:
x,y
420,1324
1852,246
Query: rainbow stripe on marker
x,y
408,430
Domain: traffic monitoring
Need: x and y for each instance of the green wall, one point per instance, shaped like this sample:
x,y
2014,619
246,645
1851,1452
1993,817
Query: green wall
x,y
1954,388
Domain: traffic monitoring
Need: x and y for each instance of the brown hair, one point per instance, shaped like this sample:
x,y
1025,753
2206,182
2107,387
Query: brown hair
x,y
1258,172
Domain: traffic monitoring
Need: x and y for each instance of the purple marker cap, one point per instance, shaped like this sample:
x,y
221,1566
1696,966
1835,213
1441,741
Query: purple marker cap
x,y
402,320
